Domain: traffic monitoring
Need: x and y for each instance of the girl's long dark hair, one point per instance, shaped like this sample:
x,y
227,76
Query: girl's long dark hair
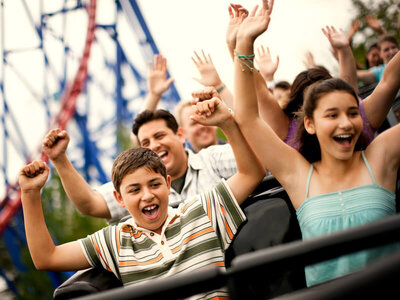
x,y
309,144
303,80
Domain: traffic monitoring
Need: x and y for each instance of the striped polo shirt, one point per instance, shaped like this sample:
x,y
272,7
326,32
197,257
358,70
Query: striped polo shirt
x,y
194,235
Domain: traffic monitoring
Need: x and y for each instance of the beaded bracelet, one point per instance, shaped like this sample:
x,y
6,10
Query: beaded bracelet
x,y
246,60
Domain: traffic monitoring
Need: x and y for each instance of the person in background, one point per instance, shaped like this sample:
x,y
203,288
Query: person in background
x,y
197,135
281,92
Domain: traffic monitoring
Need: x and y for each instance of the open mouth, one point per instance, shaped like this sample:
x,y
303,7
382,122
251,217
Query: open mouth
x,y
151,211
163,154
344,139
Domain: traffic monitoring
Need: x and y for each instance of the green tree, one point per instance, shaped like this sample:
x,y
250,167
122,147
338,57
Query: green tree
x,y
387,12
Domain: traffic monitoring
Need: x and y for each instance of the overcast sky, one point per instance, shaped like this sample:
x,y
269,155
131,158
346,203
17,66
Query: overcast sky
x,y
180,27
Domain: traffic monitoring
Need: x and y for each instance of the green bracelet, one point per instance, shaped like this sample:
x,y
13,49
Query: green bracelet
x,y
221,88
246,60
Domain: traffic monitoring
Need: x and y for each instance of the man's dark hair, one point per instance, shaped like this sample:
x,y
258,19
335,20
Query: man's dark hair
x,y
149,115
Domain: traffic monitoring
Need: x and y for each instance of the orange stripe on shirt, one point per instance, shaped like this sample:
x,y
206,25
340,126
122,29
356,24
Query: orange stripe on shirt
x,y
208,206
228,229
193,236
98,251
139,263
117,238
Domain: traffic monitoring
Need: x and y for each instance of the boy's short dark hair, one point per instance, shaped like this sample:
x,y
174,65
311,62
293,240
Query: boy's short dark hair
x,y
149,115
132,159
387,38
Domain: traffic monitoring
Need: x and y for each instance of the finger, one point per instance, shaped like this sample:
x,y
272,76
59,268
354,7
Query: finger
x,y
204,55
230,11
277,62
268,53
197,57
254,11
265,4
271,6
209,58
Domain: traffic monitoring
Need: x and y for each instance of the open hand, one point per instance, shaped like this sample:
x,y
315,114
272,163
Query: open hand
x,y
265,64
208,73
157,76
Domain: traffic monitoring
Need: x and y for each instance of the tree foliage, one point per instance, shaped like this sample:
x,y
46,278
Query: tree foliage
x,y
387,12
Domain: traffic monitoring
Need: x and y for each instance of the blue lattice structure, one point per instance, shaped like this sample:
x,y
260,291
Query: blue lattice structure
x,y
83,80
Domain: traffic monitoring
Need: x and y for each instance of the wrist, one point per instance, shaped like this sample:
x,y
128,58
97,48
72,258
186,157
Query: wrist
x,y
154,94
220,87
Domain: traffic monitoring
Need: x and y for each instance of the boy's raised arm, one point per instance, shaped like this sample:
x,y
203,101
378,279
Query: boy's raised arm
x,y
87,201
250,172
45,255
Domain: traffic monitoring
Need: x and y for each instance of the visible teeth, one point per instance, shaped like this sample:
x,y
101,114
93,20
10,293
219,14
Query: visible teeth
x,y
343,136
162,153
150,207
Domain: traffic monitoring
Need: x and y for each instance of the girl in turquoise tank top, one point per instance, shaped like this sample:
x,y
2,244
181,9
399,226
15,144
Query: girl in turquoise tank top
x,y
334,181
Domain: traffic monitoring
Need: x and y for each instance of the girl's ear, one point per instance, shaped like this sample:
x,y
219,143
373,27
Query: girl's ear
x,y
309,125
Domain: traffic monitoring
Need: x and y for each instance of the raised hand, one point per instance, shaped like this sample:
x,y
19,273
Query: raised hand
x,y
237,14
265,64
204,94
337,38
157,76
212,112
33,176
208,73
373,22
353,29
309,61
257,22
55,143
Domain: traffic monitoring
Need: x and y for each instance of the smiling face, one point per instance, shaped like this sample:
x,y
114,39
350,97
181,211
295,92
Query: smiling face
x,y
337,123
374,57
199,136
388,50
144,193
157,136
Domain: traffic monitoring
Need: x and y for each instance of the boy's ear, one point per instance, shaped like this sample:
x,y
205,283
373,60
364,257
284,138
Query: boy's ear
x,y
119,199
309,125
181,135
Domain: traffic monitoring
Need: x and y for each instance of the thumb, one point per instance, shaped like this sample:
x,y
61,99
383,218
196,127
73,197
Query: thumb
x,y
198,80
170,81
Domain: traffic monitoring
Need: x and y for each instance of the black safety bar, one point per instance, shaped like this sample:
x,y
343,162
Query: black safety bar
x,y
245,266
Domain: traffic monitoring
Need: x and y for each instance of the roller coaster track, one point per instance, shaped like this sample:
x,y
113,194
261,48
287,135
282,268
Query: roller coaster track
x,y
12,199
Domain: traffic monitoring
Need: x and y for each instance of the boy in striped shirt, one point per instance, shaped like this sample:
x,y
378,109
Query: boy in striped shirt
x,y
158,241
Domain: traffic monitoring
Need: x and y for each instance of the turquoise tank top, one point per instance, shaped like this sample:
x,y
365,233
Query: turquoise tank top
x,y
327,213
